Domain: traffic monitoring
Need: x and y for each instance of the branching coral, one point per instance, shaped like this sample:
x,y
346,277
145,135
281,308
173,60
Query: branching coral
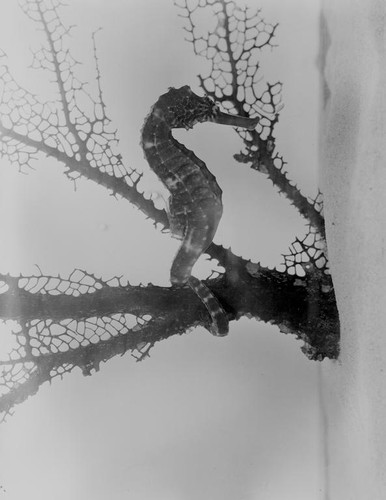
x,y
60,323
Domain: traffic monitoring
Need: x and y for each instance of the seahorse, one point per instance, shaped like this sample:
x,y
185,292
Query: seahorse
x,y
195,205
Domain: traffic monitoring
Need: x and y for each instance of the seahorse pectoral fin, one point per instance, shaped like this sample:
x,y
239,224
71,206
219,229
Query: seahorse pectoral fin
x,y
220,324
235,120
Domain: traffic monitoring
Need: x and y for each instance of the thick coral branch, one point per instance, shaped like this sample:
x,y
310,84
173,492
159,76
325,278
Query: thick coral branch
x,y
50,344
250,289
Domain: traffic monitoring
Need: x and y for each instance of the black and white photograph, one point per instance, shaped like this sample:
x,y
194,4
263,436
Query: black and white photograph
x,y
193,252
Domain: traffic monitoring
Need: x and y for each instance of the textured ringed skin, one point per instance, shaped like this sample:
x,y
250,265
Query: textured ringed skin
x,y
195,203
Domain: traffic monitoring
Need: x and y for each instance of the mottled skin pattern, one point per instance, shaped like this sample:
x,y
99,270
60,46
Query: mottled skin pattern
x,y
195,206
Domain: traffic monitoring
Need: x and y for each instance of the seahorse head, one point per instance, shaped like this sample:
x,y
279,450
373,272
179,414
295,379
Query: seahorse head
x,y
184,108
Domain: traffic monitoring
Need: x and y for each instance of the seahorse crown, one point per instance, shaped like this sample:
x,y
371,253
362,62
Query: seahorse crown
x,y
183,108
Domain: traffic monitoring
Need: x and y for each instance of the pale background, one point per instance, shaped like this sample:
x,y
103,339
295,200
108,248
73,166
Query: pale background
x,y
203,418
353,130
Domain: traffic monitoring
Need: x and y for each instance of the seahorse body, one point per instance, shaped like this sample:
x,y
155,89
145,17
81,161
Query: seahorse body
x,y
195,206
